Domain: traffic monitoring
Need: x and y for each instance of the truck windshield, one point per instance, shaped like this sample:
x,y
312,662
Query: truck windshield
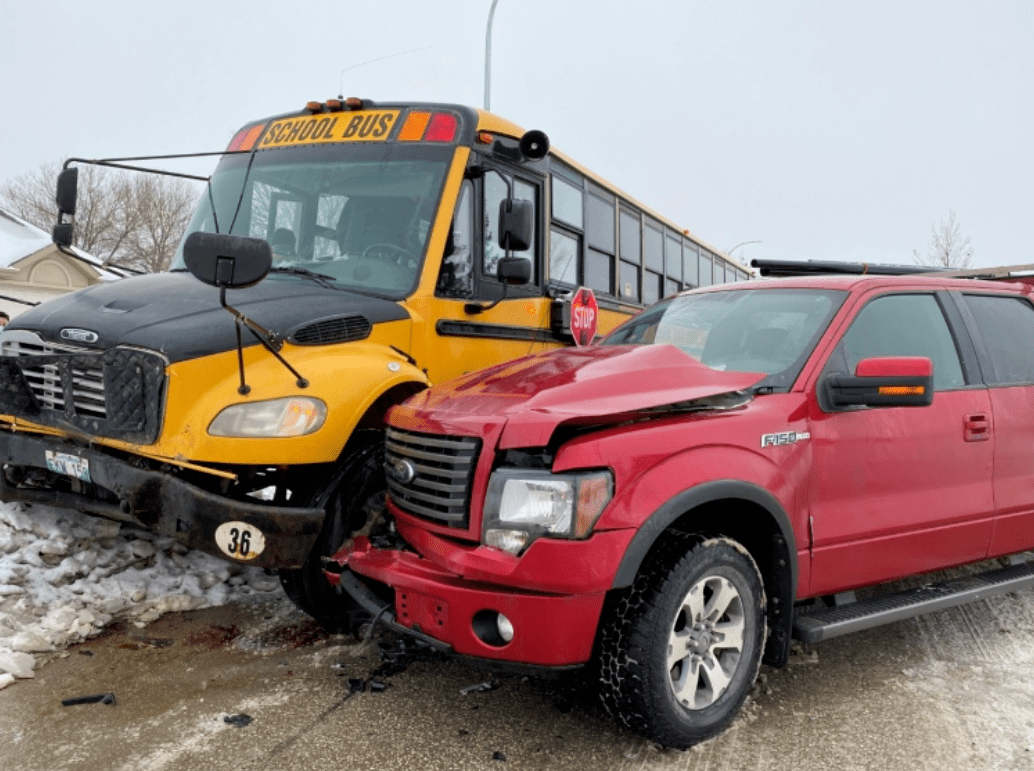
x,y
739,330
359,214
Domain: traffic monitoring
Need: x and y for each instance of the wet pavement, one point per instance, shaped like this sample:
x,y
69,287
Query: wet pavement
x,y
259,686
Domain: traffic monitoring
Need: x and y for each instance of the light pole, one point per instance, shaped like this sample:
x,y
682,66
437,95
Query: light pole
x,y
488,55
739,245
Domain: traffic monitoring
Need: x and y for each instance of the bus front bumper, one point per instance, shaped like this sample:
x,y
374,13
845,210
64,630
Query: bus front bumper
x,y
278,536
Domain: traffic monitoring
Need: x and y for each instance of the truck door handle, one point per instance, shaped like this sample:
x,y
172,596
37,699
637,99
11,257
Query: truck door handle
x,y
978,428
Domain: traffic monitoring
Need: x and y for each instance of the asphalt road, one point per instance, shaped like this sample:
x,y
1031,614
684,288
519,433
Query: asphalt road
x,y
953,689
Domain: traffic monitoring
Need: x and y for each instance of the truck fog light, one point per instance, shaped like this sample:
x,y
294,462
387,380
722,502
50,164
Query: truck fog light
x,y
505,628
510,541
492,628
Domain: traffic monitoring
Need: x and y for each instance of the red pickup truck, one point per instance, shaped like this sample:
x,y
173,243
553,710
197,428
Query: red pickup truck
x,y
669,502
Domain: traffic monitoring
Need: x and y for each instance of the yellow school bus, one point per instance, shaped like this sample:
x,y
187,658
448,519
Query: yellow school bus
x,y
242,414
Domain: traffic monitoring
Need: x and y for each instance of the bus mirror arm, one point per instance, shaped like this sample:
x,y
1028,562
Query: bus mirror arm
x,y
269,341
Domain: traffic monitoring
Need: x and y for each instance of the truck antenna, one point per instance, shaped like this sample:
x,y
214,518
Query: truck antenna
x,y
341,81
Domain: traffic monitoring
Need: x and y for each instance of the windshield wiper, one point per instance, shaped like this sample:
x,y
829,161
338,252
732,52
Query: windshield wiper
x,y
320,278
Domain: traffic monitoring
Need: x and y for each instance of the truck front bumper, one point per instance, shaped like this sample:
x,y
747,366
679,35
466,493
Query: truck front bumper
x,y
458,595
160,502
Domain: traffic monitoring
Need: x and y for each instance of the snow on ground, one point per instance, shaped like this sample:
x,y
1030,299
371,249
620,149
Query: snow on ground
x,y
64,576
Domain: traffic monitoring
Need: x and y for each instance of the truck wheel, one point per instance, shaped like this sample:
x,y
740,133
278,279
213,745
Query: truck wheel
x,y
683,645
353,497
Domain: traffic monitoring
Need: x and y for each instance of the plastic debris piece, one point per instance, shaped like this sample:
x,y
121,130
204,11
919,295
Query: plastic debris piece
x,y
356,684
378,686
97,698
479,687
497,755
239,721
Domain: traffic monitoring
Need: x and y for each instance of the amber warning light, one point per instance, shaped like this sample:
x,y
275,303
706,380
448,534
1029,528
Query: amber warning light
x,y
902,390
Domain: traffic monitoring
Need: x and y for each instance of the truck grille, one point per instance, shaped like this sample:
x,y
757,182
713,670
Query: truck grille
x,y
117,393
444,471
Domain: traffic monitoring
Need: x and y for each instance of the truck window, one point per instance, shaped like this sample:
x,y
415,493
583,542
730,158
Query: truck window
x,y
771,331
902,325
1007,326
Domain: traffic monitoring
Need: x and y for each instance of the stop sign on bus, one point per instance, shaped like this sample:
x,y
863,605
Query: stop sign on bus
x,y
584,316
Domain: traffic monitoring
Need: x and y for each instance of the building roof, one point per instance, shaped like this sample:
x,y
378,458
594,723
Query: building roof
x,y
20,239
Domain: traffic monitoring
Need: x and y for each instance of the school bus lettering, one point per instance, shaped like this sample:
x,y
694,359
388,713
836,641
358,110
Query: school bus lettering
x,y
367,126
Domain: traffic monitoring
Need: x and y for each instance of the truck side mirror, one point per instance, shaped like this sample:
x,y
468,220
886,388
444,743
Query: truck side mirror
x,y
886,381
227,261
516,224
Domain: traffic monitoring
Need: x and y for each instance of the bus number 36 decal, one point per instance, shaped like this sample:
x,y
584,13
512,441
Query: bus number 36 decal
x,y
239,540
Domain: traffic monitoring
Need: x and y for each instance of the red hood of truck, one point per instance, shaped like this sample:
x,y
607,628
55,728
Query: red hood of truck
x,y
576,386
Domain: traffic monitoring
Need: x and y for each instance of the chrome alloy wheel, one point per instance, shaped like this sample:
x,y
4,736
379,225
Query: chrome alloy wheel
x,y
706,642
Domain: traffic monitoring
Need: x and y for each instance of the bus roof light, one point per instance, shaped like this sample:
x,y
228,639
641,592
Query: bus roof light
x,y
484,138
245,139
335,105
442,128
354,103
314,107
414,127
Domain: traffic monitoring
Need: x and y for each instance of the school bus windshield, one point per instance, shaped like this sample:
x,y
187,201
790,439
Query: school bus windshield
x,y
358,214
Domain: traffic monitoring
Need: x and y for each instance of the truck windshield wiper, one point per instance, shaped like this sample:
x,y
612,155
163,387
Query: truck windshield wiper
x,y
320,278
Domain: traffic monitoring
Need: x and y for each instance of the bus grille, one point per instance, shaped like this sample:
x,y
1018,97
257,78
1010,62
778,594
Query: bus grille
x,y
46,382
444,466
117,393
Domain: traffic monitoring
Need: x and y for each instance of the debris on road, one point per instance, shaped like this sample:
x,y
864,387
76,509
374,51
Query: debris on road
x,y
480,687
239,720
97,698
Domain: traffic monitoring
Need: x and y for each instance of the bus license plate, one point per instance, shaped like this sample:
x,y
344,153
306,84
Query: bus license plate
x,y
69,465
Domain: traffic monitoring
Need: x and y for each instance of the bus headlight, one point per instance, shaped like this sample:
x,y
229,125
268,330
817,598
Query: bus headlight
x,y
292,416
522,505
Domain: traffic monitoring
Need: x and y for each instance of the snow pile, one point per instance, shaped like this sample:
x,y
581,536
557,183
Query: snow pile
x,y
64,576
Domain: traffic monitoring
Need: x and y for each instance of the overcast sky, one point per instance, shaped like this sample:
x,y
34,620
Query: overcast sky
x,y
823,129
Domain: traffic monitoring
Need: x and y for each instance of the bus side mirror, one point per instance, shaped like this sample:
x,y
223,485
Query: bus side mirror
x,y
226,261
67,190
886,381
516,224
514,270
67,187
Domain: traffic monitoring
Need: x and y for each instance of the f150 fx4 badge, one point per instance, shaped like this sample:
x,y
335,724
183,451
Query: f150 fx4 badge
x,y
786,437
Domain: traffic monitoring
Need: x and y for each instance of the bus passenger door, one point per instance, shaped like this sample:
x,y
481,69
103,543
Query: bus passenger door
x,y
464,341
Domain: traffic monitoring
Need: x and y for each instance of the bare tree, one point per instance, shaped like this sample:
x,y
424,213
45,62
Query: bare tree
x,y
948,248
124,218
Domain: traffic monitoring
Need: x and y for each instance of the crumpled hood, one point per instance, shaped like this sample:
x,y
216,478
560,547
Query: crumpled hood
x,y
598,384
177,315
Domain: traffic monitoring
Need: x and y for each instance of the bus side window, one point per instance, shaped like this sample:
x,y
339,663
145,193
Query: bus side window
x,y
456,277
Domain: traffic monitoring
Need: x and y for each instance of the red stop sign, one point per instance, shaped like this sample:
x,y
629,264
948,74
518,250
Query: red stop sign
x,y
584,316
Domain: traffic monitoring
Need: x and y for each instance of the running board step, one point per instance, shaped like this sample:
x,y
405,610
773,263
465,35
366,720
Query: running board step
x,y
825,624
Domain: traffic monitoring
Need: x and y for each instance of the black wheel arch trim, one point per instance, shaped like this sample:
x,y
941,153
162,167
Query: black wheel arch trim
x,y
780,610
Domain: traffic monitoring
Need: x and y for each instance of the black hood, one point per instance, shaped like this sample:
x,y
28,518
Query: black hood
x,y
177,315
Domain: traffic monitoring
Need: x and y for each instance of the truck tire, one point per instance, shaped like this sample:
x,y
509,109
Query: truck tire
x,y
682,647
353,497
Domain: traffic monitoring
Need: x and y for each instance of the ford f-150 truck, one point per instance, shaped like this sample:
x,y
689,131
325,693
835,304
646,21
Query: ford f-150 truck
x,y
674,503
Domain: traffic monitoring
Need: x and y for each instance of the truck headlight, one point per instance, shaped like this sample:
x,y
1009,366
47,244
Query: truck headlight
x,y
522,505
292,416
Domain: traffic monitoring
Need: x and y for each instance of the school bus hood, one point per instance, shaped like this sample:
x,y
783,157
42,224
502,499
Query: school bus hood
x,y
575,386
177,315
